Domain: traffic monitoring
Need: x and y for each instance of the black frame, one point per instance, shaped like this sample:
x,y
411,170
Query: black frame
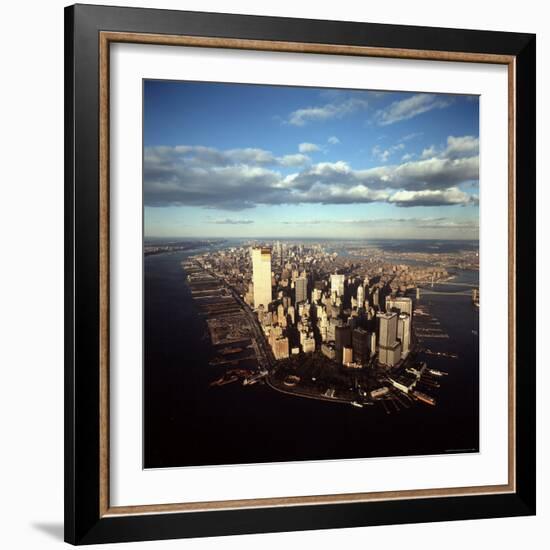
x,y
83,524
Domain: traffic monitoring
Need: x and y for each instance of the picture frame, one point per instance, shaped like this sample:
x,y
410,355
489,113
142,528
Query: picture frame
x,y
89,33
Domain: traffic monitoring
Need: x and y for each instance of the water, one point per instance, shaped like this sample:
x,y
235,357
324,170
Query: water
x,y
188,423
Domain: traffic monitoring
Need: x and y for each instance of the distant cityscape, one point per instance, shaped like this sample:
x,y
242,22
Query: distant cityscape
x,y
340,322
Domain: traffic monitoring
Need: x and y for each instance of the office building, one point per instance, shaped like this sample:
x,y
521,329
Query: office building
x,y
342,339
301,289
372,343
279,248
390,356
333,323
387,329
347,355
261,276
319,284
328,350
404,333
292,314
359,343
401,304
280,348
337,284
360,297
376,298
308,342
316,295
389,348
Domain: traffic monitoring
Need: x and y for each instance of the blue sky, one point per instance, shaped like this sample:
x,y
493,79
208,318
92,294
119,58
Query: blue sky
x,y
240,160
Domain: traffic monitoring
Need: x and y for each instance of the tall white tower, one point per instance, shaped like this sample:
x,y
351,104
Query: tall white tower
x,y
261,276
360,297
404,332
337,284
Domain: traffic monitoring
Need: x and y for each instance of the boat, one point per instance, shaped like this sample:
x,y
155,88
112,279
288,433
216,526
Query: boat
x,y
437,372
230,351
423,397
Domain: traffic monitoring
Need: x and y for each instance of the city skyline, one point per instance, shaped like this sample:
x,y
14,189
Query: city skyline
x,y
249,161
274,335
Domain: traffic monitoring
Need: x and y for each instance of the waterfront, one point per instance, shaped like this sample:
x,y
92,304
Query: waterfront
x,y
188,422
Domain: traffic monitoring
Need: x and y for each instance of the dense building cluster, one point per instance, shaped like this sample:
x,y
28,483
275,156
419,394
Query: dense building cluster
x,y
305,303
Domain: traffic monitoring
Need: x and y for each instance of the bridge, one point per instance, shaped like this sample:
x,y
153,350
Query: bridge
x,y
451,283
425,292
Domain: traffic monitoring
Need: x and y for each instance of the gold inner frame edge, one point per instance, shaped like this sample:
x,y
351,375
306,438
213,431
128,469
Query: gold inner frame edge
x,y
108,37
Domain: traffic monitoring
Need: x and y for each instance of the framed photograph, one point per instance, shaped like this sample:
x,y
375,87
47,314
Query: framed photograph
x,y
299,274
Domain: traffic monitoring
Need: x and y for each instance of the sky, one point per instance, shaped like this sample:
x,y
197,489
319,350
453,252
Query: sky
x,y
257,161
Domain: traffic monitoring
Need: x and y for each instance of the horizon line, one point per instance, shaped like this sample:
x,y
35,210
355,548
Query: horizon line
x,y
282,238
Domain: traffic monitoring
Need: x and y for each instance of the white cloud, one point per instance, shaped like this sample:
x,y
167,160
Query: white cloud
x,y
464,146
333,140
231,221
300,117
380,154
457,148
237,179
432,197
308,147
410,107
294,160
383,155
429,152
198,155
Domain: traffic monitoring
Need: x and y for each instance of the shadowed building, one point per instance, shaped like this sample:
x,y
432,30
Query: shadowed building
x,y
342,338
360,345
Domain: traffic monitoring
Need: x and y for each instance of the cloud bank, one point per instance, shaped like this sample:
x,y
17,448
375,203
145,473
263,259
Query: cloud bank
x,y
238,179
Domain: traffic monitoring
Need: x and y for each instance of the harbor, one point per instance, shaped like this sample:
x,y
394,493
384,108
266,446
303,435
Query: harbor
x,y
177,366
233,332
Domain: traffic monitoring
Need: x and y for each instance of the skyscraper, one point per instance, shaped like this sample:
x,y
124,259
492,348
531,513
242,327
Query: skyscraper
x,y
261,276
389,348
404,332
360,297
387,332
403,304
280,348
337,284
360,345
347,355
280,252
372,343
376,298
301,289
342,337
